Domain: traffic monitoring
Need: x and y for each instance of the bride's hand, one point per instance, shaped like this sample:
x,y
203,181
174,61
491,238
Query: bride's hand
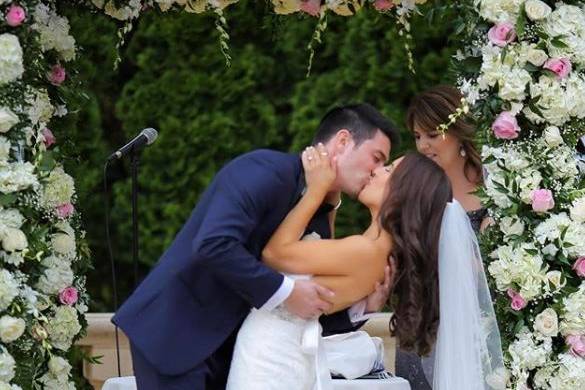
x,y
319,169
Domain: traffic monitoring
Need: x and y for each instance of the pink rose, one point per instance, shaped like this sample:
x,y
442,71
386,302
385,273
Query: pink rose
x,y
518,303
48,136
506,126
65,210
577,345
560,66
501,34
383,5
57,75
15,15
542,200
579,267
311,7
68,296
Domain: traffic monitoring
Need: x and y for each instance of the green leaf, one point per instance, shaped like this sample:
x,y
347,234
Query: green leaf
x,y
7,200
558,42
521,22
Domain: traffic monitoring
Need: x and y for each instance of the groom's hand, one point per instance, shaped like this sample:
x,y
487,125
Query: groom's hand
x,y
376,300
306,299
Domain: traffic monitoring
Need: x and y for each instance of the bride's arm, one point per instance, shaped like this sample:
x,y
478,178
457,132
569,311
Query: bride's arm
x,y
350,267
319,175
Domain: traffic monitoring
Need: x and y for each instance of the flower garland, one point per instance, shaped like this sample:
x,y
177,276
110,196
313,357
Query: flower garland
x,y
522,70
43,258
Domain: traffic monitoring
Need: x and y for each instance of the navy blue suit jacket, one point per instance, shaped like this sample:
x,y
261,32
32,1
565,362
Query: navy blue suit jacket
x,y
208,279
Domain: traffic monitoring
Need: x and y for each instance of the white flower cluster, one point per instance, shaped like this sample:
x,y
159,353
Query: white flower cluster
x,y
17,176
57,275
5,147
13,239
528,352
558,101
577,210
569,375
57,378
567,23
40,110
7,366
7,119
563,234
510,176
11,67
128,11
11,328
54,32
63,327
8,289
59,189
63,242
500,10
573,317
519,268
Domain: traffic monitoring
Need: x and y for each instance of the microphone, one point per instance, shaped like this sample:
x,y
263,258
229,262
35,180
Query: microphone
x,y
146,137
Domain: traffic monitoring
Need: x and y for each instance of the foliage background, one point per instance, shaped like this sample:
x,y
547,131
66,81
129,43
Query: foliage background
x,y
172,77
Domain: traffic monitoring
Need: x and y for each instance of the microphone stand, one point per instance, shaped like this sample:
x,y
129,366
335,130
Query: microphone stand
x,y
134,162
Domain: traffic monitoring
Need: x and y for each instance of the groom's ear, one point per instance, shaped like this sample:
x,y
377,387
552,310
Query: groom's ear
x,y
342,139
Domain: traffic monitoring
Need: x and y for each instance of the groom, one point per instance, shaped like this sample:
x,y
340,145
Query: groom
x,y
182,320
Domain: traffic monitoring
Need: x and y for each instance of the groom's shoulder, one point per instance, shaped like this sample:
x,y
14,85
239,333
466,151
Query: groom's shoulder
x,y
268,159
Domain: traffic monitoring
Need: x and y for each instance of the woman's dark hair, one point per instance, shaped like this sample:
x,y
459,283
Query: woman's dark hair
x,y
431,108
417,194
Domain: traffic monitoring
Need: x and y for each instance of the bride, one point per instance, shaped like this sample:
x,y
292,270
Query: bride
x,y
415,221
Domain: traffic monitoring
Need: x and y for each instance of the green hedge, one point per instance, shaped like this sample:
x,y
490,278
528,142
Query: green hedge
x,y
173,78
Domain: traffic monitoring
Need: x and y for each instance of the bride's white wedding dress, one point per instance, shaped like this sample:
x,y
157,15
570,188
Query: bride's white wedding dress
x,y
278,350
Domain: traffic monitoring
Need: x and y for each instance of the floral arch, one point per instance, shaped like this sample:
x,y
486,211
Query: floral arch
x,y
521,68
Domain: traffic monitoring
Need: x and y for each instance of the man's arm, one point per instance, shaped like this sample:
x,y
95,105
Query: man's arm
x,y
244,193
241,197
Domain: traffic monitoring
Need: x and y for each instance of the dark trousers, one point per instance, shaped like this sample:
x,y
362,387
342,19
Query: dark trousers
x,y
209,375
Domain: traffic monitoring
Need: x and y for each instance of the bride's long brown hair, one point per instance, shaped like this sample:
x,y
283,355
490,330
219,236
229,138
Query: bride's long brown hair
x,y
417,194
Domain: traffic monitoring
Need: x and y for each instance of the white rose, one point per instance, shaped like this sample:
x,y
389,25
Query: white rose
x,y
536,57
578,210
11,328
7,365
63,243
550,250
11,67
7,119
14,240
511,226
547,323
556,279
11,218
59,367
552,136
536,9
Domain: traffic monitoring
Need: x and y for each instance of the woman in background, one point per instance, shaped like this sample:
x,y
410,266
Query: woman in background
x,y
456,154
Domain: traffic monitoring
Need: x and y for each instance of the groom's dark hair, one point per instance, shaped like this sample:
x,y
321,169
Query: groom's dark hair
x,y
361,120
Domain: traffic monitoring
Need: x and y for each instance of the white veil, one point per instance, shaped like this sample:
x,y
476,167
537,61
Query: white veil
x,y
468,352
